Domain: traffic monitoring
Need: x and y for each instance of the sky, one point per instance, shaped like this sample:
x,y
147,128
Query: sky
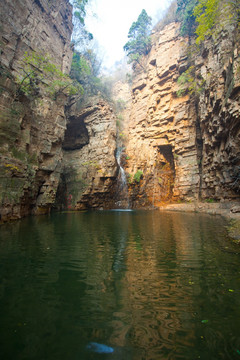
x,y
110,20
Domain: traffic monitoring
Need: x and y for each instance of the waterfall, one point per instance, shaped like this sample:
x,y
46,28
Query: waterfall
x,y
122,187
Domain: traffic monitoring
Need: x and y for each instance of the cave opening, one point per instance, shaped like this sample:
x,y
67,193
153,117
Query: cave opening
x,y
166,156
164,174
76,134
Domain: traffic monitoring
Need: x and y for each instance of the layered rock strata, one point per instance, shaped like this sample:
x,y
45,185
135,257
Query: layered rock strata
x,y
172,147
161,133
187,147
219,116
89,163
31,128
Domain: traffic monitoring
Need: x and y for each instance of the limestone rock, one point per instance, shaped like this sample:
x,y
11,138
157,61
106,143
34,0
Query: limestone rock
x,y
161,133
89,164
187,147
31,129
235,209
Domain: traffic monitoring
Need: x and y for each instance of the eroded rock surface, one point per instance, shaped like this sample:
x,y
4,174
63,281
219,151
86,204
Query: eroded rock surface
x,y
161,134
89,164
172,148
185,147
219,117
31,128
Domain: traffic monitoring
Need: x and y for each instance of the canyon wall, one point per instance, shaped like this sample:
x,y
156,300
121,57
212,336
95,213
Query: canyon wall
x,y
184,147
31,127
89,168
219,116
173,146
63,152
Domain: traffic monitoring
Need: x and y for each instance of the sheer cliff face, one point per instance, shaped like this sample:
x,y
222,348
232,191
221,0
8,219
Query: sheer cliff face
x,y
176,148
161,134
39,25
186,146
89,164
31,129
219,117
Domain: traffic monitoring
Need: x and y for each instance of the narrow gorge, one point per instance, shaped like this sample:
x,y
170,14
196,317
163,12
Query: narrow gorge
x,y
62,152
120,187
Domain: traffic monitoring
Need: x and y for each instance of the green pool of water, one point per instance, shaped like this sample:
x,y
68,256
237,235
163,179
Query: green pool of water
x,y
149,285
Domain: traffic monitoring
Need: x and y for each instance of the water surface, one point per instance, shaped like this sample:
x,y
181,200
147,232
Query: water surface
x,y
149,285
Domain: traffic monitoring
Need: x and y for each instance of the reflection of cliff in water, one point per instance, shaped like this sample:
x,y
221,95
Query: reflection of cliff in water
x,y
139,282
119,258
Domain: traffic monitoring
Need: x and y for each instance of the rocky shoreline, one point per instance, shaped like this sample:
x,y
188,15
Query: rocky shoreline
x,y
229,210
226,209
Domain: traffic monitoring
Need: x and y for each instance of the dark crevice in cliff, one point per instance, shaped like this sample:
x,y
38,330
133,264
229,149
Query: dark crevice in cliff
x,y
199,148
76,135
167,170
166,151
38,2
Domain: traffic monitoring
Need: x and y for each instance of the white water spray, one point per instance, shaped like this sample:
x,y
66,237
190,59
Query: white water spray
x,y
123,201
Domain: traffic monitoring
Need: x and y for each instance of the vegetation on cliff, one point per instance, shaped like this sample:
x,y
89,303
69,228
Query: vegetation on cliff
x,y
85,69
85,66
40,74
201,20
139,43
205,18
80,35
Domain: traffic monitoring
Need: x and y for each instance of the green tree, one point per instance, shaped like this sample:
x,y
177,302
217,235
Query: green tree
x,y
212,15
185,13
206,13
80,35
139,43
206,17
39,74
85,69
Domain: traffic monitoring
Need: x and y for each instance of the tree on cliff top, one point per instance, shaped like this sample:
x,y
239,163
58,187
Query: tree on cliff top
x,y
80,35
206,18
85,69
185,13
139,43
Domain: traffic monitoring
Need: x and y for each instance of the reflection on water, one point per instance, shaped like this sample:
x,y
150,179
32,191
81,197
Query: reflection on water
x,y
149,285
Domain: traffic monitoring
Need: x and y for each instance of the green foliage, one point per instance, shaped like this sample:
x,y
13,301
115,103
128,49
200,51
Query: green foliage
x,y
137,176
80,36
206,14
139,43
85,69
185,13
203,17
40,74
24,156
80,11
189,83
209,201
